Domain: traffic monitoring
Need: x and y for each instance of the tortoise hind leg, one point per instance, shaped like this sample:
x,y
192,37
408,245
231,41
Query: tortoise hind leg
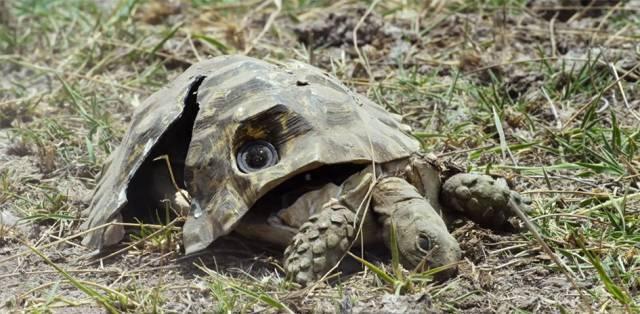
x,y
320,243
482,198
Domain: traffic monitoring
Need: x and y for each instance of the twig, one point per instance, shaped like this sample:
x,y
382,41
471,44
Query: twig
x,y
464,151
594,98
554,111
604,106
566,192
624,96
126,248
595,220
48,69
491,66
365,62
610,12
26,252
552,36
266,27
630,197
193,47
173,178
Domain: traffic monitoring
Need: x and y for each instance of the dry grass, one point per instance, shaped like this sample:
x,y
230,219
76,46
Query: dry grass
x,y
547,97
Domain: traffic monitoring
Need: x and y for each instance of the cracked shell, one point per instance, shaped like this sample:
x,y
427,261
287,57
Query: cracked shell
x,y
310,118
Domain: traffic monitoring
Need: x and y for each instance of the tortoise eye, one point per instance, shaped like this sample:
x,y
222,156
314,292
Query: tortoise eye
x,y
424,242
256,155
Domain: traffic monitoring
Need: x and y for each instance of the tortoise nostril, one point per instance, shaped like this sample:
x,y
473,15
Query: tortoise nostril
x,y
424,242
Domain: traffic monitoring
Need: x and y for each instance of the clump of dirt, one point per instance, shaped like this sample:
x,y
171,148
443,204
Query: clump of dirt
x,y
564,10
156,12
7,115
520,83
335,29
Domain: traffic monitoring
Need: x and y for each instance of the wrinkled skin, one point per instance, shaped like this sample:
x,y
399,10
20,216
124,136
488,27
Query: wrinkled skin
x,y
285,153
407,197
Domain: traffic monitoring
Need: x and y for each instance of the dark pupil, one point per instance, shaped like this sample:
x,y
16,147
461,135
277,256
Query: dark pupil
x,y
257,156
425,243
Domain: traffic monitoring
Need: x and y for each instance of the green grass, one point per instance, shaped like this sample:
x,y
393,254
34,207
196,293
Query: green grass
x,y
475,87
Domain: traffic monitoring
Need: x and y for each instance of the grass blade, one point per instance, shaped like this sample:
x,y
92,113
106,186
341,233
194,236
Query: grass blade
x,y
87,290
376,270
263,297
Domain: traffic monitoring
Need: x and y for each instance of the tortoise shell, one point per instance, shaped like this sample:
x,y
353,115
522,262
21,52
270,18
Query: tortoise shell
x,y
216,106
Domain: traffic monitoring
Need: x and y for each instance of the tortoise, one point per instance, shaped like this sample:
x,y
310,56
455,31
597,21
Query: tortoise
x,y
284,153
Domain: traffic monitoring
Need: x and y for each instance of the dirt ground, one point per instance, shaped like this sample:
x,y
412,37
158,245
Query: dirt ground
x,y
542,92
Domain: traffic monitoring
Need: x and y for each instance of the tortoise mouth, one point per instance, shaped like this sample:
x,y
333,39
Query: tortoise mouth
x,y
287,192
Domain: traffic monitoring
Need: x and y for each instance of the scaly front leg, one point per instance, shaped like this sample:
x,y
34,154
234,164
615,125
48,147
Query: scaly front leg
x,y
320,243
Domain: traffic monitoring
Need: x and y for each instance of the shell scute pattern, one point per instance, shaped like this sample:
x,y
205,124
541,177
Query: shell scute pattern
x,y
298,107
